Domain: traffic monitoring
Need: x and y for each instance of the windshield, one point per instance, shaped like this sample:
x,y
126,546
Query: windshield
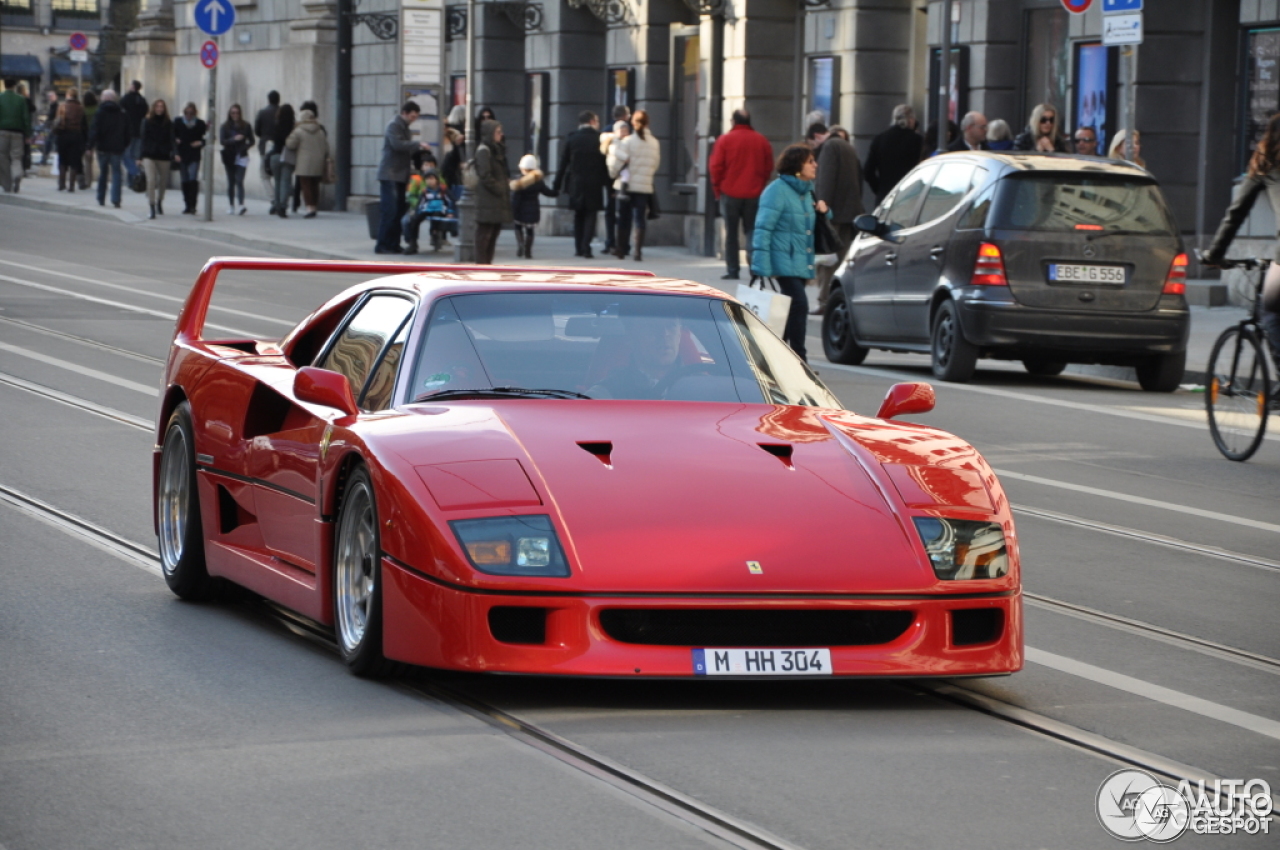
x,y
607,346
1058,202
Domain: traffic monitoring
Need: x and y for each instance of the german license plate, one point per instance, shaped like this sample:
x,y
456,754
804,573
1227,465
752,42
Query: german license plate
x,y
762,662
1086,274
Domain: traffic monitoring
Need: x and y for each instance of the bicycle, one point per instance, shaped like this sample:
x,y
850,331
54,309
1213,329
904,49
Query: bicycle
x,y
1238,387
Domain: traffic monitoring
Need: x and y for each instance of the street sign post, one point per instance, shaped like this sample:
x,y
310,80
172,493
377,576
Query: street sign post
x,y
1111,7
214,16
79,54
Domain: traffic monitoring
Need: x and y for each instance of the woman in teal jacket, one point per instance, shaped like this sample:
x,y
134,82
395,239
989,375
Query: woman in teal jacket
x,y
782,244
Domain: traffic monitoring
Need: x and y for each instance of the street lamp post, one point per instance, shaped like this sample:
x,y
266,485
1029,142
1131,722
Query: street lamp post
x,y
944,78
466,250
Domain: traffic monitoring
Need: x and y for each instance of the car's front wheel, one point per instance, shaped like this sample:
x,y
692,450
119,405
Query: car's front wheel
x,y
1162,373
357,580
181,534
837,332
954,357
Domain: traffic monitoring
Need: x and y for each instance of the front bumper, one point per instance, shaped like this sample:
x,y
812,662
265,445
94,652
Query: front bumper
x,y
433,624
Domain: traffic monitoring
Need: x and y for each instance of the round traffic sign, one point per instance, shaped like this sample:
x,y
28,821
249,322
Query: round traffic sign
x,y
79,41
214,16
209,54
1077,7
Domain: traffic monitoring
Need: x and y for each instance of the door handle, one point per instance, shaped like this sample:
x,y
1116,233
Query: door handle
x,y
890,258
937,251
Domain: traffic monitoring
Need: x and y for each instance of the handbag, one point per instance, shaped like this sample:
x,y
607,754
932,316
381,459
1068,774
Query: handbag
x,y
767,302
654,212
289,156
330,175
824,239
138,182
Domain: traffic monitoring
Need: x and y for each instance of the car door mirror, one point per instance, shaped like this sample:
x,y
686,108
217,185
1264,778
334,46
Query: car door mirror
x,y
868,223
320,386
906,398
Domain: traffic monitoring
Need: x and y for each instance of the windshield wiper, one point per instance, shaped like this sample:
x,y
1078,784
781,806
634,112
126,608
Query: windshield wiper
x,y
1093,236
499,392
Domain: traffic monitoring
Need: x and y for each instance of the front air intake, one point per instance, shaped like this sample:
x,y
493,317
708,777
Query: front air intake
x,y
750,628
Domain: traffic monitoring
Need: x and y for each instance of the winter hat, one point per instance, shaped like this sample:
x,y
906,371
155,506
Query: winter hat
x,y
528,162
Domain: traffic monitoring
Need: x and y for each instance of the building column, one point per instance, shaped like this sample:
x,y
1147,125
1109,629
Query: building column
x,y
150,52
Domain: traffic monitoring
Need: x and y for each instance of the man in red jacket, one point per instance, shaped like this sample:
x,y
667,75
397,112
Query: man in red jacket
x,y
741,162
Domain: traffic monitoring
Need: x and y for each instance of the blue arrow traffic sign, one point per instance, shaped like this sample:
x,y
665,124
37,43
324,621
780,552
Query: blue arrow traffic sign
x,y
215,16
1111,6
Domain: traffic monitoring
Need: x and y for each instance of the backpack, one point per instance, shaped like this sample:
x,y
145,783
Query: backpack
x,y
470,179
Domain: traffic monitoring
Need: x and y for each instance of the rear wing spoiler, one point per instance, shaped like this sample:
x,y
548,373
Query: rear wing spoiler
x,y
190,327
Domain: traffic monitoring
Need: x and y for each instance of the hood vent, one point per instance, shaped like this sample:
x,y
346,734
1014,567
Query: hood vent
x,y
602,451
782,451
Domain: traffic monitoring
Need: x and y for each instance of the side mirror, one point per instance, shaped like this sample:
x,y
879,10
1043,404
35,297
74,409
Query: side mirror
x,y
320,386
868,223
906,398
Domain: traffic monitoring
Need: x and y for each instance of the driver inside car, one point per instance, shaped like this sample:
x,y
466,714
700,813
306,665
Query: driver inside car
x,y
654,346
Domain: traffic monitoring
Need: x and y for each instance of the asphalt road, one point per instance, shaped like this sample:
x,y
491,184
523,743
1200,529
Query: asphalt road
x,y
130,719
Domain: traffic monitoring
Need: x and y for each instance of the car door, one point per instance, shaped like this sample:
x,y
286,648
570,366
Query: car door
x,y
922,253
873,261
285,462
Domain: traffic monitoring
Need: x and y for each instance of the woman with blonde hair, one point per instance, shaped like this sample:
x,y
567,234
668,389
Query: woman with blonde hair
x,y
1117,149
640,155
1043,133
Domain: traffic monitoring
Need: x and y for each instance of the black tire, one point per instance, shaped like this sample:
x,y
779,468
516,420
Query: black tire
x,y
180,530
1235,396
954,357
1162,373
357,580
838,343
1044,368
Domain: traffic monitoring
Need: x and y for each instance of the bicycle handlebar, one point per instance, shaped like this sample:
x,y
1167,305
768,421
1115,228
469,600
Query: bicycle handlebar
x,y
1247,263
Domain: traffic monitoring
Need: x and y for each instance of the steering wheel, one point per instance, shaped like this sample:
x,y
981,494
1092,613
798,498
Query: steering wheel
x,y
664,386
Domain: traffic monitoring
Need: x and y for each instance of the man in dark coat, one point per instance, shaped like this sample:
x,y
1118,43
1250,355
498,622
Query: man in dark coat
x,y
109,135
584,173
398,148
839,183
264,127
135,109
894,152
973,134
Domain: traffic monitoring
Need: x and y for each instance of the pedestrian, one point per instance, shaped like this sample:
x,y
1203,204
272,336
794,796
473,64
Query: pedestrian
x,y
839,184
15,130
135,109
973,134
189,133
398,148
526,208
621,112
641,155
493,194
782,245
310,144
484,114
618,199
457,119
894,152
1117,149
156,132
1086,141
264,127
109,136
52,102
90,103
430,202
451,163
583,174
236,138
24,91
282,159
999,136
1043,133
741,162
815,134
72,132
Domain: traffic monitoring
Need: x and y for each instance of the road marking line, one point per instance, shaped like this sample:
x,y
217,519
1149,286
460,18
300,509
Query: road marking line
x,y
73,401
83,530
120,304
82,370
1139,500
1234,717
78,340
159,295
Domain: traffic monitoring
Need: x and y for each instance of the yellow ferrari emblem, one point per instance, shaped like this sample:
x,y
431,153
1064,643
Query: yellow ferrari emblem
x,y
754,568
324,442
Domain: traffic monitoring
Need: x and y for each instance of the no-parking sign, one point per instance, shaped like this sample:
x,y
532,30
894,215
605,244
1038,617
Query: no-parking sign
x,y
1077,7
209,55
79,41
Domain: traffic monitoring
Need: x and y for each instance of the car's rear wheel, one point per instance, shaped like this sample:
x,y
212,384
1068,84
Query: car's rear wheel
x,y
357,580
1044,368
181,533
1162,373
954,357
837,332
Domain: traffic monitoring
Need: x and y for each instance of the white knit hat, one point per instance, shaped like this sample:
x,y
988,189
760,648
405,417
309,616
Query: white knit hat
x,y
528,162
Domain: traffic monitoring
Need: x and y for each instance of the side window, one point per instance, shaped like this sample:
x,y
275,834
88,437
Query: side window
x,y
947,190
906,198
357,347
378,395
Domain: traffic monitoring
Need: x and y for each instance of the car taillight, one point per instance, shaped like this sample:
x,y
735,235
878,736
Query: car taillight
x,y
1176,282
989,268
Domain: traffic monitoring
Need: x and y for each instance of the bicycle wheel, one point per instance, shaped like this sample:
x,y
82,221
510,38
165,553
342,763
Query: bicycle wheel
x,y
1236,393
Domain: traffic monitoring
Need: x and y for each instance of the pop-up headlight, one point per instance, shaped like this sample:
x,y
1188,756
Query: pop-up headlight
x,y
512,545
961,549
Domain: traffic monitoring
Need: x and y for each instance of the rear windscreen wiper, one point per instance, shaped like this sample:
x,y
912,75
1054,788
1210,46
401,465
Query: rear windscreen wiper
x,y
499,392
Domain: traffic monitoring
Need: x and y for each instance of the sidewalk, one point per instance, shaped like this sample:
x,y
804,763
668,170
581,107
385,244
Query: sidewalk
x,y
345,236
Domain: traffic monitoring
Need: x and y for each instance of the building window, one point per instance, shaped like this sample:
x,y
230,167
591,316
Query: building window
x,y
1261,80
75,8
824,87
15,7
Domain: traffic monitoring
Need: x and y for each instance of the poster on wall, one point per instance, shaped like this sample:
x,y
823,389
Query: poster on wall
x,y
421,42
1261,79
428,126
1095,82
538,107
958,89
823,78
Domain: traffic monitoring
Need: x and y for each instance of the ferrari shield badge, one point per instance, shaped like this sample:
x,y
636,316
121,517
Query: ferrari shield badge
x,y
324,442
754,568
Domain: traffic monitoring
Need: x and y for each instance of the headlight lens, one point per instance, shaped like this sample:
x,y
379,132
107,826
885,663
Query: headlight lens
x,y
512,545
962,549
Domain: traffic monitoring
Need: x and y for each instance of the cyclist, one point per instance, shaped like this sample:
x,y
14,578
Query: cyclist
x,y
1263,175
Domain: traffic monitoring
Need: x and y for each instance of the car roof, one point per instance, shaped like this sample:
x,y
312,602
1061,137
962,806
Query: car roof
x,y
1028,161
459,282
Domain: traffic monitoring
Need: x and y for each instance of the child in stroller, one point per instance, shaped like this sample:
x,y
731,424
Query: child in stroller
x,y
430,202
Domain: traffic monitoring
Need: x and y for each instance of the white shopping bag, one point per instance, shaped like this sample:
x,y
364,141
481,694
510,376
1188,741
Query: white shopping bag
x,y
771,306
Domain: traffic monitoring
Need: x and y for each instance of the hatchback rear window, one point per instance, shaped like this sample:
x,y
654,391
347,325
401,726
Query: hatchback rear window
x,y
1072,202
